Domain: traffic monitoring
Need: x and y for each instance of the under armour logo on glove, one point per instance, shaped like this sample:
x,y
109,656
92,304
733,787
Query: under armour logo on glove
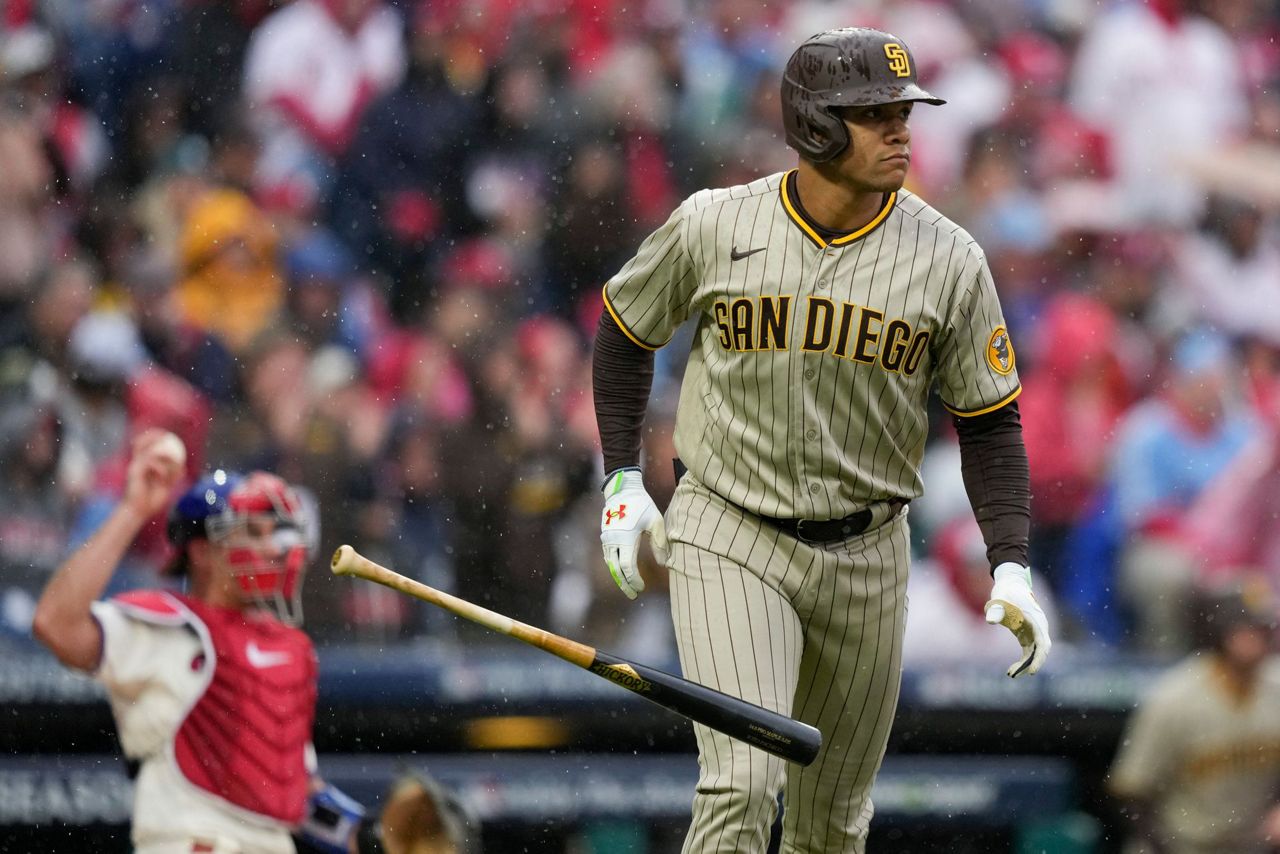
x,y
621,542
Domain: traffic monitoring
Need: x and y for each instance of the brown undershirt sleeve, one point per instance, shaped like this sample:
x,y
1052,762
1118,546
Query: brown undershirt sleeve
x,y
621,379
993,461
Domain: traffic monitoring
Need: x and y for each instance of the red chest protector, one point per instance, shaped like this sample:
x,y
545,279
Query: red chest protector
x,y
245,738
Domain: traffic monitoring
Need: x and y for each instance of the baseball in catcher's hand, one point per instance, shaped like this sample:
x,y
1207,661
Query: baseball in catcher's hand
x,y
171,447
156,466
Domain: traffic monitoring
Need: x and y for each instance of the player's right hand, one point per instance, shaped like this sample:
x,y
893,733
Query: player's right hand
x,y
152,474
629,512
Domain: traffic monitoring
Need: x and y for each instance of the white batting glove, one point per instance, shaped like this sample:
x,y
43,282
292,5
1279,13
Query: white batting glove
x,y
629,512
1013,606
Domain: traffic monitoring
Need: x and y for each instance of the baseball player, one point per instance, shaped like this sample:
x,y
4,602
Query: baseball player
x,y
1198,770
213,691
828,301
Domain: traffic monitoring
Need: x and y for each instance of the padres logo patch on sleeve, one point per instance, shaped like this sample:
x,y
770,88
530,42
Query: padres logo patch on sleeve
x,y
1000,351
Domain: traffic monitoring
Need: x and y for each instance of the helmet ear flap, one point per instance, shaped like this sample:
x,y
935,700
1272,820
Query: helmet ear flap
x,y
812,127
834,134
827,135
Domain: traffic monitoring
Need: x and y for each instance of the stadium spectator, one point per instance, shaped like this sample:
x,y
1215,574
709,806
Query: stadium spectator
x,y
35,506
174,343
1164,84
1228,272
231,280
1008,216
405,522
1232,525
104,354
27,238
400,193
64,298
72,136
109,48
311,70
579,256
1076,393
626,96
207,38
514,483
1168,449
322,302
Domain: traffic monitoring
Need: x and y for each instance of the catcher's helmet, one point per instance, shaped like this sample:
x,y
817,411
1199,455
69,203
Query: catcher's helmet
x,y
851,67
219,506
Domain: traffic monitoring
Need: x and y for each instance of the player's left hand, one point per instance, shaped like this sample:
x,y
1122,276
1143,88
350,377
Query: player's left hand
x,y
1013,606
629,512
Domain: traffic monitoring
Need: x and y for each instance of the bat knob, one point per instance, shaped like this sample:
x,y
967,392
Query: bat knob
x,y
340,559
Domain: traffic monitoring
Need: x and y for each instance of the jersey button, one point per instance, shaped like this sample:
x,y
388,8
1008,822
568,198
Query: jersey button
x,y
809,374
822,283
811,435
815,488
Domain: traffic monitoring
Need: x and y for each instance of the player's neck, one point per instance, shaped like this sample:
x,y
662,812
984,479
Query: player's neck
x,y
833,204
220,593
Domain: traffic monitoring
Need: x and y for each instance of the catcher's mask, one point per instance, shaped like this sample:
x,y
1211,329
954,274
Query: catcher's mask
x,y
850,67
264,526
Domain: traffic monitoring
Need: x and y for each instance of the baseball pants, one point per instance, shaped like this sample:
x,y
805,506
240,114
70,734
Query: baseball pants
x,y
810,630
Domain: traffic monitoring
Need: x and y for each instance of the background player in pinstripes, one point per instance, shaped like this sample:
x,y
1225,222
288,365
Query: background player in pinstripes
x,y
828,302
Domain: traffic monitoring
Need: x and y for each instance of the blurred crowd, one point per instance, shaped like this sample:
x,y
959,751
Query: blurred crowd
x,y
361,243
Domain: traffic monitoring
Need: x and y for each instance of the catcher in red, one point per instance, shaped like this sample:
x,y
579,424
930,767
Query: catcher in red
x,y
213,690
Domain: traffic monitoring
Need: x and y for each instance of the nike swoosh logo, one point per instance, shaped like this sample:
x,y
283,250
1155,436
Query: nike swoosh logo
x,y
262,658
735,255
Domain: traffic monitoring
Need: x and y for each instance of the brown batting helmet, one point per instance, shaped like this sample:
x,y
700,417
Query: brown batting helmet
x,y
851,67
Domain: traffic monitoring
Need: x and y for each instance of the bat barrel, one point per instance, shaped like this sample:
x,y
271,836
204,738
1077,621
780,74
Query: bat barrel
x,y
768,730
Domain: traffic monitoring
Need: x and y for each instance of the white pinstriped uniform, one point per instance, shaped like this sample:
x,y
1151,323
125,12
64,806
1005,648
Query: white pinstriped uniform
x,y
804,397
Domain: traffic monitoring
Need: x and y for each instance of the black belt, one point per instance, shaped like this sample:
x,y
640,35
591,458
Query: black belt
x,y
829,530
818,530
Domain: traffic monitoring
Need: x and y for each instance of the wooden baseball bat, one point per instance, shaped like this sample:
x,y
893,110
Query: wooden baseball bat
x,y
770,731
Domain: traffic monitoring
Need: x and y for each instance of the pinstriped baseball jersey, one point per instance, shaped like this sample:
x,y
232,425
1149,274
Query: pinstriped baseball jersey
x,y
805,392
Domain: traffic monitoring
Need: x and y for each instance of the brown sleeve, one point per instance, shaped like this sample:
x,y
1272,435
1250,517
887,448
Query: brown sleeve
x,y
621,379
993,461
